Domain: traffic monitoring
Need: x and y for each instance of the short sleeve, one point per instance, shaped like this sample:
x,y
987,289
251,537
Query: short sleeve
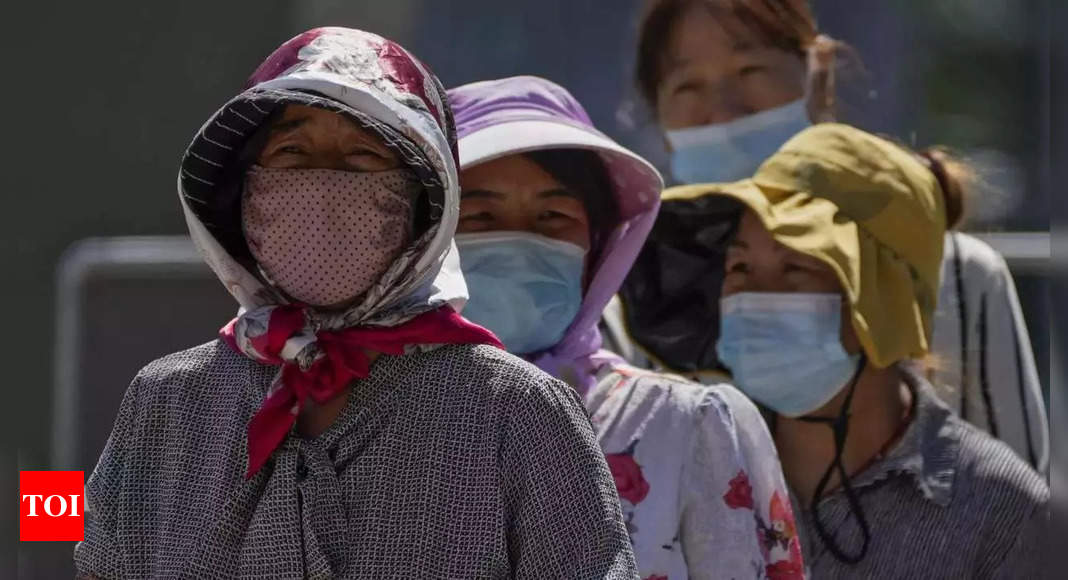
x,y
99,555
562,512
736,513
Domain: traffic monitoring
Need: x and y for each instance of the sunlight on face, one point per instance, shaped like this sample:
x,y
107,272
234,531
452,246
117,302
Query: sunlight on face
x,y
758,263
513,193
717,69
312,138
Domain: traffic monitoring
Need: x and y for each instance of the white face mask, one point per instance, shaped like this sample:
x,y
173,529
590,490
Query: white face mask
x,y
724,152
322,236
784,350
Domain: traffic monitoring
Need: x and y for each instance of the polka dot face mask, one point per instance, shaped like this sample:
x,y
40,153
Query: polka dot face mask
x,y
323,236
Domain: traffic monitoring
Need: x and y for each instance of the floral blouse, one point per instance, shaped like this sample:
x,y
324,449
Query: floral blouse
x,y
698,477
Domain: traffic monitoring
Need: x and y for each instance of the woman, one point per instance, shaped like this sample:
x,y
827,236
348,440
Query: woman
x,y
551,217
730,81
349,424
827,300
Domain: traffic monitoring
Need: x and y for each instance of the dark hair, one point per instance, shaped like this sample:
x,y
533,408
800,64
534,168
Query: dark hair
x,y
582,172
956,180
784,24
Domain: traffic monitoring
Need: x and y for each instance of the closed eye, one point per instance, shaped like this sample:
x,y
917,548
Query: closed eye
x,y
751,69
686,87
738,268
483,216
290,149
552,214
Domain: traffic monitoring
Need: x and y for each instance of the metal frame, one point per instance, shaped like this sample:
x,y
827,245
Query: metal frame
x,y
163,256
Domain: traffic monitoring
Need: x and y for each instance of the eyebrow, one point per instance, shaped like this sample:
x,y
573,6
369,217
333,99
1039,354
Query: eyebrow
x,y
490,194
559,192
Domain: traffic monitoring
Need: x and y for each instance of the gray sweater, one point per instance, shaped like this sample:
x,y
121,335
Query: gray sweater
x,y
947,501
460,462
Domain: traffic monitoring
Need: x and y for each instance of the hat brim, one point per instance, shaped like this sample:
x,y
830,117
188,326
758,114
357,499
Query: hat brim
x,y
811,226
638,183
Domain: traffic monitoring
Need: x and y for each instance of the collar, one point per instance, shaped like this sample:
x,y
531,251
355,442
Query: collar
x,y
928,449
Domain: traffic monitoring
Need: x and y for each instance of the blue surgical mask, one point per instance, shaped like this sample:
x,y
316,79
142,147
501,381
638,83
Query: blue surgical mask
x,y
733,150
784,349
524,287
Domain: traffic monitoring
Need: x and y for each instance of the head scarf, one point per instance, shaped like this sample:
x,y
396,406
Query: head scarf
x,y
866,207
515,115
383,89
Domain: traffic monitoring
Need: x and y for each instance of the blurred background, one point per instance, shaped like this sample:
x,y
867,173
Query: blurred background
x,y
104,97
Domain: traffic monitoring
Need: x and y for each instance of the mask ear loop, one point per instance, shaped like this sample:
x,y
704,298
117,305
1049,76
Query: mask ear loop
x,y
840,427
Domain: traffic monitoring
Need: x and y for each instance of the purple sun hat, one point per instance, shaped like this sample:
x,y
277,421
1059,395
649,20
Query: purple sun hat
x,y
514,115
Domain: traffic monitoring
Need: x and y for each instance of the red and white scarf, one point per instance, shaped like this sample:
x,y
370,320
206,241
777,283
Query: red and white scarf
x,y
322,364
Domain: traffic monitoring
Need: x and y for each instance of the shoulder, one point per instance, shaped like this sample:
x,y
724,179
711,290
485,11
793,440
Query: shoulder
x,y
719,404
991,474
489,372
977,258
206,360
211,368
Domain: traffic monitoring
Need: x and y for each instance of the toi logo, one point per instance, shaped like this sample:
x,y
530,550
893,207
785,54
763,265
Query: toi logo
x,y
51,506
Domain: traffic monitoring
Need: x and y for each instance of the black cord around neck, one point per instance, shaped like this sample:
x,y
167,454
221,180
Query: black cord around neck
x,y
840,429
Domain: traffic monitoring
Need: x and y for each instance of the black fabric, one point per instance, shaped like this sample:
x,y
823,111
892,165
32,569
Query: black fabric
x,y
962,312
671,295
212,170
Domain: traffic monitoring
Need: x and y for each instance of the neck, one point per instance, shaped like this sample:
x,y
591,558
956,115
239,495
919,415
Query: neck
x,y
315,418
879,407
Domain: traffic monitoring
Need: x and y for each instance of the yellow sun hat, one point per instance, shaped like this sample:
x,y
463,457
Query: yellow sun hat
x,y
866,207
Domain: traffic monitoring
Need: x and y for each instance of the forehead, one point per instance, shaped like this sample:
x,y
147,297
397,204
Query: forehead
x,y
754,237
312,115
512,173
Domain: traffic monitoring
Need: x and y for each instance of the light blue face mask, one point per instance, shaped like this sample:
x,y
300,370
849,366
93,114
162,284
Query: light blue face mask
x,y
784,350
733,150
524,287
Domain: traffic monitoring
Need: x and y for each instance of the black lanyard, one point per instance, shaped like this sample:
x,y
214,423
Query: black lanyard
x,y
840,428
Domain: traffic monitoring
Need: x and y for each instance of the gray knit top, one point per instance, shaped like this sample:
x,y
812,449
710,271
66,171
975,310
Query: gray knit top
x,y
460,462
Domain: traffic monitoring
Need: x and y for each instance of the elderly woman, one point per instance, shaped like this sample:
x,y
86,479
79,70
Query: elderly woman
x,y
348,424
829,297
552,214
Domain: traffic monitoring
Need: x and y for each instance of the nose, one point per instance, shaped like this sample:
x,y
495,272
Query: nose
x,y
721,104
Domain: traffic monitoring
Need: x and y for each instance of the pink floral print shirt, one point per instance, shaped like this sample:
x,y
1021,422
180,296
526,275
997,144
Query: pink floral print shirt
x,y
698,476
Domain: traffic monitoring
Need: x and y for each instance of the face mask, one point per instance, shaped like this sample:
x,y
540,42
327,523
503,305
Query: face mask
x,y
323,236
525,288
784,349
733,150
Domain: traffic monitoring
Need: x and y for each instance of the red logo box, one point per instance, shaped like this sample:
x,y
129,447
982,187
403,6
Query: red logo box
x,y
51,506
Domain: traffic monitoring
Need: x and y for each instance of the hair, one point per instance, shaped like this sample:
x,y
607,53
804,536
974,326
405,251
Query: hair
x,y
956,180
582,172
784,24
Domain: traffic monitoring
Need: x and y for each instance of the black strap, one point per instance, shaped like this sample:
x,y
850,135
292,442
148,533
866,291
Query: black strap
x,y
840,428
984,378
962,313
